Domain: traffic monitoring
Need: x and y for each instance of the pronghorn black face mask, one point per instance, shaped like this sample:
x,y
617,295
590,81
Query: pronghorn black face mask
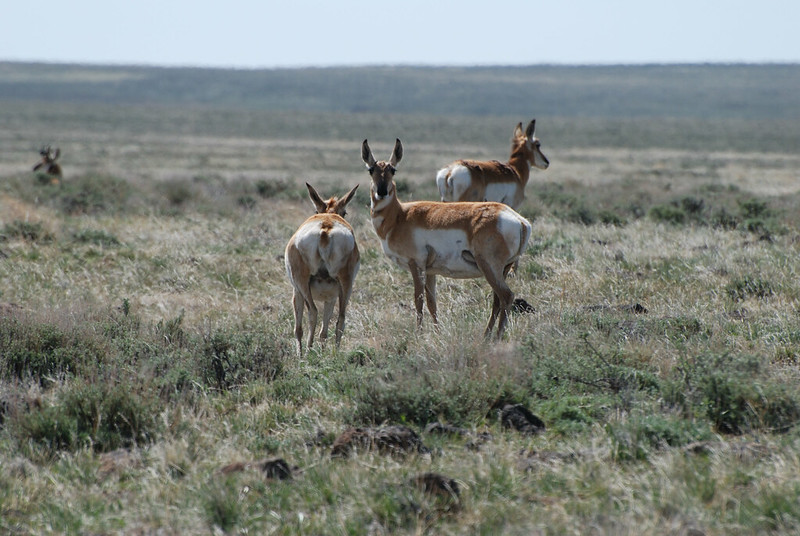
x,y
382,173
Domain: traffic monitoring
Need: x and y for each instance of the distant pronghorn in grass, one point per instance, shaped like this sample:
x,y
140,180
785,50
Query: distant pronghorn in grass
x,y
473,180
52,168
322,261
458,240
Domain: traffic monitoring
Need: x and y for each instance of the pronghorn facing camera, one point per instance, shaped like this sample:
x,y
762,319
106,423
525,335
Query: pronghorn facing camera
x,y
51,167
458,240
322,261
472,180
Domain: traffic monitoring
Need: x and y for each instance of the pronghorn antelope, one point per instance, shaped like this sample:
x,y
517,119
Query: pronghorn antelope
x,y
472,180
322,261
459,240
52,169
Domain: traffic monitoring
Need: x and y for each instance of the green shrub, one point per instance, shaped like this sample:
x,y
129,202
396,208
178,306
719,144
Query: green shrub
x,y
97,415
667,213
637,437
97,237
93,194
753,208
44,352
25,230
609,217
722,219
749,286
421,398
234,359
222,506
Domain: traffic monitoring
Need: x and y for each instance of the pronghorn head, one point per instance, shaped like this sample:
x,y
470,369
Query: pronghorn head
x,y
532,145
382,173
47,158
332,205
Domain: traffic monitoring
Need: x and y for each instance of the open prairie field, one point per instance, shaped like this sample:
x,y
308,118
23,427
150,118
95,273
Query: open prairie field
x,y
149,379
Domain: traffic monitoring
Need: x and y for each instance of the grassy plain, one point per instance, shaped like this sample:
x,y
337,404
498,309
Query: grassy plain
x,y
146,330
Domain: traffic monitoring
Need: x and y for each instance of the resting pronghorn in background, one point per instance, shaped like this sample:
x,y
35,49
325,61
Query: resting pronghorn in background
x,y
459,240
322,261
52,169
473,180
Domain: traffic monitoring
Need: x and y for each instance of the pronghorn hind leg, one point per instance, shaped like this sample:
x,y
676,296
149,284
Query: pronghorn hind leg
x,y
430,298
495,310
503,297
345,289
299,305
312,314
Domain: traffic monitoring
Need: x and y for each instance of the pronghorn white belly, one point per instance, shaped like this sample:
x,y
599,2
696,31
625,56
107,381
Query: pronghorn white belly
x,y
501,192
453,181
439,251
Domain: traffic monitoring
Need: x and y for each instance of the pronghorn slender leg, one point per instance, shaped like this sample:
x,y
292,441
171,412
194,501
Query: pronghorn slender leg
x,y
346,278
312,314
495,310
327,313
430,297
299,305
418,275
503,297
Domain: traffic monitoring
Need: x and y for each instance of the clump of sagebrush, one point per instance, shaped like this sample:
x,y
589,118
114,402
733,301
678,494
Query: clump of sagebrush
x,y
30,231
98,237
736,393
44,352
97,415
234,358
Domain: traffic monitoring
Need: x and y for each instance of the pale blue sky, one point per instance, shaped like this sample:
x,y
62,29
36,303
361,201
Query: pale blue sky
x,y
298,33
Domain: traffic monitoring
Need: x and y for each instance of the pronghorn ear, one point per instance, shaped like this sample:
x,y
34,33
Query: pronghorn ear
x,y
348,197
319,204
518,131
531,130
366,155
58,153
397,153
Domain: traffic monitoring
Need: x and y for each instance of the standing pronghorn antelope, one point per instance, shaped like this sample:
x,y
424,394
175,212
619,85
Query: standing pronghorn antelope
x,y
472,180
52,169
322,261
459,240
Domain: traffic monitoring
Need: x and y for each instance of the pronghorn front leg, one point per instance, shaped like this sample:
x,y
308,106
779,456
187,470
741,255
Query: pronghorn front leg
x,y
418,275
430,297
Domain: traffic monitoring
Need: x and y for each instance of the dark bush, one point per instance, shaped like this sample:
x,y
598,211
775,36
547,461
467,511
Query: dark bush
x,y
96,237
420,399
105,417
26,230
748,287
668,213
44,352
234,359
93,194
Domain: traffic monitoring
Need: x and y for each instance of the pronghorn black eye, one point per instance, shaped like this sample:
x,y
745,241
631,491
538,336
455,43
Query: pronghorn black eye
x,y
392,169
371,170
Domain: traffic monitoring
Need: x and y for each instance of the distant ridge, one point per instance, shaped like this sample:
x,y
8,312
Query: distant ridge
x,y
718,91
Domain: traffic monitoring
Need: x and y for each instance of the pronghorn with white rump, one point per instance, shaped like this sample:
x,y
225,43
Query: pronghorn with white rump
x,y
322,261
473,180
458,240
